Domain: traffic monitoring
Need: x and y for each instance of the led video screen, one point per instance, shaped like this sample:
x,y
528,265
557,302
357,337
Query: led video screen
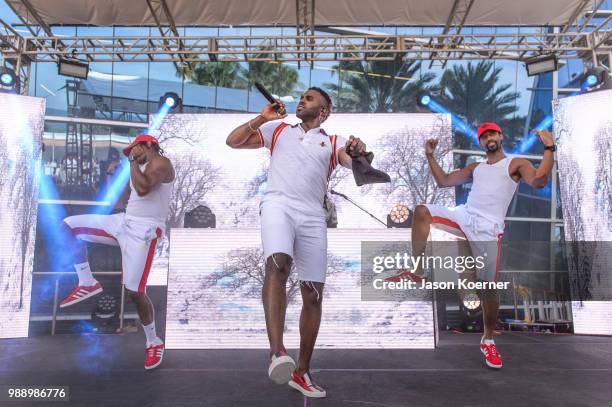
x,y
21,128
231,182
214,295
583,125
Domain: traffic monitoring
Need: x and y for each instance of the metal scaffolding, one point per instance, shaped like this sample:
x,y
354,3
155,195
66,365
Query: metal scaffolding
x,y
587,35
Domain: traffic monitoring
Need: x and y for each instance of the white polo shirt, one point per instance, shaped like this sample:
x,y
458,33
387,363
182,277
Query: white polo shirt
x,y
300,165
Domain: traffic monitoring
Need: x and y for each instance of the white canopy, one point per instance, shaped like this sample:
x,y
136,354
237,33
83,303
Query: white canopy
x,y
283,12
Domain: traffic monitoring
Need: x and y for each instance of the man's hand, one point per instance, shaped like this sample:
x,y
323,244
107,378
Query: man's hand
x,y
430,146
545,137
355,144
136,153
269,112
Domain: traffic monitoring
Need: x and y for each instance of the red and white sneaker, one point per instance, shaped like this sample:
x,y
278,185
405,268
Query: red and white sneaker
x,y
153,356
306,386
492,356
81,293
406,275
281,367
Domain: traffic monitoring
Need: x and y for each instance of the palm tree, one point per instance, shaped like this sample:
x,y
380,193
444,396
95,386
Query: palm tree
x,y
379,86
280,79
225,74
473,93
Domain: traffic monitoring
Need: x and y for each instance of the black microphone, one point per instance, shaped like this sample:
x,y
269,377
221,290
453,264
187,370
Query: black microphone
x,y
261,88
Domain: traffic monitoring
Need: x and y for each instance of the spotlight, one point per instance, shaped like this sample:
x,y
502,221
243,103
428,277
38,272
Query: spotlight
x,y
471,313
471,301
423,99
399,217
596,79
73,68
541,64
9,81
171,101
200,217
105,318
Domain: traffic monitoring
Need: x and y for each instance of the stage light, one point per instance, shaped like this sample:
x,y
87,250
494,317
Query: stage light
x,y
541,64
423,99
200,217
105,318
597,78
591,80
73,68
171,101
399,217
9,81
471,301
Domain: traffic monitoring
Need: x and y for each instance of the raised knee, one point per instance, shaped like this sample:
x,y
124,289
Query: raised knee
x,y
421,213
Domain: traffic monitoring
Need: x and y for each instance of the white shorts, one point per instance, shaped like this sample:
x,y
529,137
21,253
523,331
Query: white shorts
x,y
135,238
483,235
303,237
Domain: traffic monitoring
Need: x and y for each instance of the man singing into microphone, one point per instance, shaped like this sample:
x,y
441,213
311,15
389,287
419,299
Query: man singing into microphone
x,y
293,226
481,219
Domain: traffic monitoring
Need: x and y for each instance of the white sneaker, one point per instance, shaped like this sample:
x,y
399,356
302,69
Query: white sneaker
x,y
281,367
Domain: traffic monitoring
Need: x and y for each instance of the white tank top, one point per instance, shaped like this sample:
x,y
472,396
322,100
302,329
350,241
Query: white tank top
x,y
492,190
152,207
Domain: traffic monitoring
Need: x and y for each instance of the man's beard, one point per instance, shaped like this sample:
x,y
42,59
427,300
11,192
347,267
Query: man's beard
x,y
307,114
492,147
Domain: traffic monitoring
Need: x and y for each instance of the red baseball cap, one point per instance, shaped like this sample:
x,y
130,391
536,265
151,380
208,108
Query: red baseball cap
x,y
488,126
139,139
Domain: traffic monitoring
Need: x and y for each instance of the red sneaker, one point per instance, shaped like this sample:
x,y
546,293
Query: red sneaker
x,y
153,356
281,366
306,386
405,275
81,293
492,356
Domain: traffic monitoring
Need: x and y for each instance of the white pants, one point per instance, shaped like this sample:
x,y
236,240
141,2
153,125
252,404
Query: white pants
x,y
303,237
483,235
136,239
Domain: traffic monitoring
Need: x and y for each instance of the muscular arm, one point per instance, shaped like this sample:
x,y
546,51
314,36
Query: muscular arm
x,y
157,171
537,178
452,179
242,137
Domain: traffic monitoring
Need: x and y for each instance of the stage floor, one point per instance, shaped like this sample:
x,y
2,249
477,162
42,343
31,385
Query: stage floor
x,y
540,370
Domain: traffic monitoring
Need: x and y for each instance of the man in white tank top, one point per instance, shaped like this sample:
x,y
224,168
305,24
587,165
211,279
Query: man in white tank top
x,y
136,232
481,220
293,226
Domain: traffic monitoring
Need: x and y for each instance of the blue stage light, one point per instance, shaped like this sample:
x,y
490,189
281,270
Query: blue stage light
x,y
591,80
425,99
170,101
7,79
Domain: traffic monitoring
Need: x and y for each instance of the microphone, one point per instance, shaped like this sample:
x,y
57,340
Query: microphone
x,y
261,88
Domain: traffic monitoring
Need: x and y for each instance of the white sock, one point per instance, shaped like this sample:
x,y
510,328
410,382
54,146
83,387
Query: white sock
x,y
487,341
84,273
149,331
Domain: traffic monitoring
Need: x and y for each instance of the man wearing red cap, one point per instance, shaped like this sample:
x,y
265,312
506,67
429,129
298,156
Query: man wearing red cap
x,y
481,220
136,232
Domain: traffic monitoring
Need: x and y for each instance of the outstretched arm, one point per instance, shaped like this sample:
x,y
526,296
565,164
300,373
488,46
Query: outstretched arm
x,y
246,135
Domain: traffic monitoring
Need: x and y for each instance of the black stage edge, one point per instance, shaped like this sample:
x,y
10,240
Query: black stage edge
x,y
106,370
